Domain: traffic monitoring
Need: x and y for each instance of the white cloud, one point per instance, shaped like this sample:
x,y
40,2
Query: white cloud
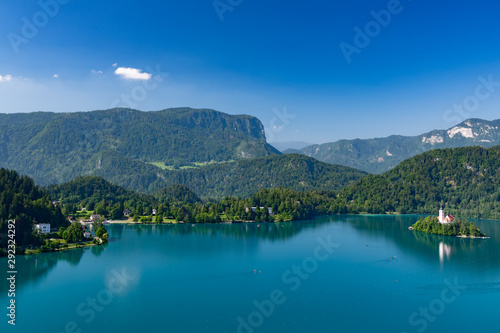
x,y
5,78
115,64
132,73
95,72
55,76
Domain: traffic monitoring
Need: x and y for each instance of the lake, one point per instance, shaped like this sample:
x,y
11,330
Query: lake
x,y
331,274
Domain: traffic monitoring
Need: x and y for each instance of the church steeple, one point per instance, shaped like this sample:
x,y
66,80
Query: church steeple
x,y
441,215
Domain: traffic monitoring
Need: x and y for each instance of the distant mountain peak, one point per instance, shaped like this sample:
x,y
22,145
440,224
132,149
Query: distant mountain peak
x,y
382,154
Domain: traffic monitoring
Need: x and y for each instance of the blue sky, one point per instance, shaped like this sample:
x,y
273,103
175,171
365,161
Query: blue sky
x,y
280,61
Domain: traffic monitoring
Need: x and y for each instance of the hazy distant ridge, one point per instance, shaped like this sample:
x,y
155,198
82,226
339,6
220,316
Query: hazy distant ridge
x,y
382,154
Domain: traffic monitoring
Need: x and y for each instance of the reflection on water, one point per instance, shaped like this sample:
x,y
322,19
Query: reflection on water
x,y
199,278
243,231
477,254
34,268
481,255
445,250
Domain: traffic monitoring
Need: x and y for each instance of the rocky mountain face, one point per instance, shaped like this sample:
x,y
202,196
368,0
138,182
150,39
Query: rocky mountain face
x,y
57,147
382,154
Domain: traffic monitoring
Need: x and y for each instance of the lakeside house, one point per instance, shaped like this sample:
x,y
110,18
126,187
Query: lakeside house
x,y
95,217
43,228
445,219
126,212
154,211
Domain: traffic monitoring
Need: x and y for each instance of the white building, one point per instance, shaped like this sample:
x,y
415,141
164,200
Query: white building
x,y
443,218
441,215
43,228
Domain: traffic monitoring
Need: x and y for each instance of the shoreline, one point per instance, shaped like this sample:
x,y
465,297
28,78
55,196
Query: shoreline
x,y
224,222
240,222
60,249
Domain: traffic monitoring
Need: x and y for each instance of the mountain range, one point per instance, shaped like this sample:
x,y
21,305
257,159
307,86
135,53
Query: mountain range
x,y
382,154
58,147
213,153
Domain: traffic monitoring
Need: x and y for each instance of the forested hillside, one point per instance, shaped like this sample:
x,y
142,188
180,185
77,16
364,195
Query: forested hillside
x,y
21,200
238,178
465,180
90,191
180,203
58,147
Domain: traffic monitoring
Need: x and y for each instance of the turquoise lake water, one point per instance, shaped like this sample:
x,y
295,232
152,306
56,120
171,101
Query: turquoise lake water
x,y
331,274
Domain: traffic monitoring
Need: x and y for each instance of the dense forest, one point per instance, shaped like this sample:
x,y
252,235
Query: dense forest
x,y
180,203
58,147
245,177
95,193
21,200
237,178
465,180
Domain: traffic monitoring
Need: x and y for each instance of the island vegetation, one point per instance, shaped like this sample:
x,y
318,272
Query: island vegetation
x,y
459,227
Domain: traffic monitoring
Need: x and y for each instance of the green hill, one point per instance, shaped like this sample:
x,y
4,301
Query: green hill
x,y
466,180
245,177
382,154
85,190
177,194
240,178
21,200
58,147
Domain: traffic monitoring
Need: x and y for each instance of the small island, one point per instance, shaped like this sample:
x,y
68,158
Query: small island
x,y
447,226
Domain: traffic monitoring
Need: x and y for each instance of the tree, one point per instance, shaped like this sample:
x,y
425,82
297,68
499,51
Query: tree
x,y
105,238
74,233
101,209
100,231
116,214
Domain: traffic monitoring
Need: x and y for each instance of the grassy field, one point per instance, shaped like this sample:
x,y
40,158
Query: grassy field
x,y
85,215
162,166
195,165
